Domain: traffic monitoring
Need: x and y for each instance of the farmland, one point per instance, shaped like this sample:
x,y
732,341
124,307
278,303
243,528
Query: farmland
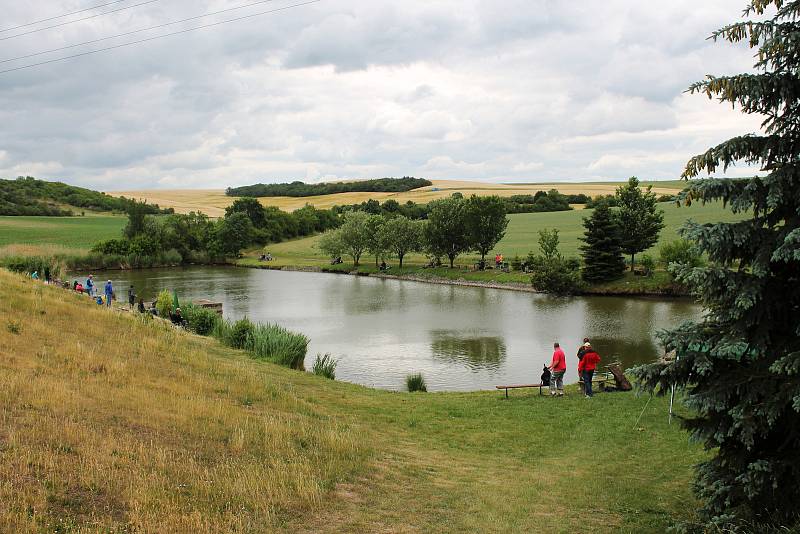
x,y
213,202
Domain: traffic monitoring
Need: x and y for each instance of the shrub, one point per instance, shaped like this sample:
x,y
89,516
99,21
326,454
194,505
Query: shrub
x,y
112,246
238,335
164,303
15,327
47,267
516,263
416,382
201,320
276,344
557,275
648,264
325,365
681,252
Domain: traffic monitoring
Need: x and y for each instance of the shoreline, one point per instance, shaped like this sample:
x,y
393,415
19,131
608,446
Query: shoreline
x,y
524,288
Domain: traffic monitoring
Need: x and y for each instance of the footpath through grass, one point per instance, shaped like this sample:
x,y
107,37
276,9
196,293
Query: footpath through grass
x,y
112,423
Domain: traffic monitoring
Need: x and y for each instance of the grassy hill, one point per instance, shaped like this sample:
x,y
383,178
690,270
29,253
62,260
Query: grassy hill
x,y
213,202
112,423
71,232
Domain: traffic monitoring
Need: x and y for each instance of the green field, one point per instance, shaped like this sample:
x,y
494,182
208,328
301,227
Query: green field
x,y
69,232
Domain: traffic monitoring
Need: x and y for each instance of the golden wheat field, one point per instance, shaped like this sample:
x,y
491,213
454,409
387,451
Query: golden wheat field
x,y
213,202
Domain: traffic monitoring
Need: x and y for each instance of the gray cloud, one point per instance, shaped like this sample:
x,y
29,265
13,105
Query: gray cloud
x,y
506,90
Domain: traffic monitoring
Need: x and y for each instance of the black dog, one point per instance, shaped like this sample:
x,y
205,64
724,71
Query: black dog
x,y
546,376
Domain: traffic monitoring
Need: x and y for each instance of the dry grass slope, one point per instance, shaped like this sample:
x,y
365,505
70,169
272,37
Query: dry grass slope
x,y
107,422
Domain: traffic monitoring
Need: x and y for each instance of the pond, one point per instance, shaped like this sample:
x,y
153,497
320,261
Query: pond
x,y
460,338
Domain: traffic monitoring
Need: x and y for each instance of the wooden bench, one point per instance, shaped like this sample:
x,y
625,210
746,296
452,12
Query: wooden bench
x,y
540,386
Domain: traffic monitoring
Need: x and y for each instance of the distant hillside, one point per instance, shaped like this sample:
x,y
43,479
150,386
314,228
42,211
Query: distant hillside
x,y
29,196
301,189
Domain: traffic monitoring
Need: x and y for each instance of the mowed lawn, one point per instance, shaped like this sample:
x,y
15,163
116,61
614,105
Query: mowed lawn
x,y
522,234
68,232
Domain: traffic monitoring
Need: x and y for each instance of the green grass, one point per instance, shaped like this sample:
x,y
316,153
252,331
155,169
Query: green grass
x,y
150,428
521,237
69,232
523,229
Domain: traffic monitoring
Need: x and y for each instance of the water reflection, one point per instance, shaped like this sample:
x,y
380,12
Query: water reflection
x,y
465,348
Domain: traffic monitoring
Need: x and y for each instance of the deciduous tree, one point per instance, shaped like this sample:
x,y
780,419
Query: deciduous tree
x,y
445,232
402,235
486,222
639,218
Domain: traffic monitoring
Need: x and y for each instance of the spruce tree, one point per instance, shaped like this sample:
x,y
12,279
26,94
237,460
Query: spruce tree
x,y
740,366
602,252
640,219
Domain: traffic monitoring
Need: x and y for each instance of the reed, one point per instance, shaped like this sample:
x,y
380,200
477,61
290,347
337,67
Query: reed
x,y
277,344
325,366
416,382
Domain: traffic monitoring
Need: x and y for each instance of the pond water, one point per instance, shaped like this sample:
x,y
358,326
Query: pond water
x,y
460,338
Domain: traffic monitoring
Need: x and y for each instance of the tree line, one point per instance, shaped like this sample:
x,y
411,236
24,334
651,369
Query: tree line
x,y
541,201
454,226
149,240
302,189
29,196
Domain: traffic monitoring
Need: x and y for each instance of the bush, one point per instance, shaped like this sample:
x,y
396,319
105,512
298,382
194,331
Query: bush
x,y
47,267
201,320
325,366
277,344
556,275
648,264
681,252
238,335
164,303
112,246
416,382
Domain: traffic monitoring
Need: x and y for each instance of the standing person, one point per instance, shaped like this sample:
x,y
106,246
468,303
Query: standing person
x,y
131,297
109,291
581,350
89,285
557,367
586,366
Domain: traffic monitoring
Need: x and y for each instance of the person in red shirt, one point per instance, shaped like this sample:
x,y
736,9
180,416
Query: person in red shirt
x,y
586,366
558,367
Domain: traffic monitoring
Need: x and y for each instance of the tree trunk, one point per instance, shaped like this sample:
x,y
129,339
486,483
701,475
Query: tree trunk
x,y
401,259
452,259
632,257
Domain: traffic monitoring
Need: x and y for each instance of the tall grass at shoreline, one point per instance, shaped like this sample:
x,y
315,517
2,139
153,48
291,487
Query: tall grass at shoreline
x,y
269,342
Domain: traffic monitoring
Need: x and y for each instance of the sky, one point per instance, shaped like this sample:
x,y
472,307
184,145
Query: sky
x,y
493,91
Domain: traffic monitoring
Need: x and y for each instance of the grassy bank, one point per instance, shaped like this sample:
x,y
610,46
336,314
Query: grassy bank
x,y
521,237
109,423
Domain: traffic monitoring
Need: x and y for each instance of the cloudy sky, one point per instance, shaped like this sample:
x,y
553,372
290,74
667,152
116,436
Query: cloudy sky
x,y
491,90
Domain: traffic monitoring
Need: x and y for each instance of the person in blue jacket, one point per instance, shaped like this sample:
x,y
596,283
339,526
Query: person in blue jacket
x,y
89,286
109,291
